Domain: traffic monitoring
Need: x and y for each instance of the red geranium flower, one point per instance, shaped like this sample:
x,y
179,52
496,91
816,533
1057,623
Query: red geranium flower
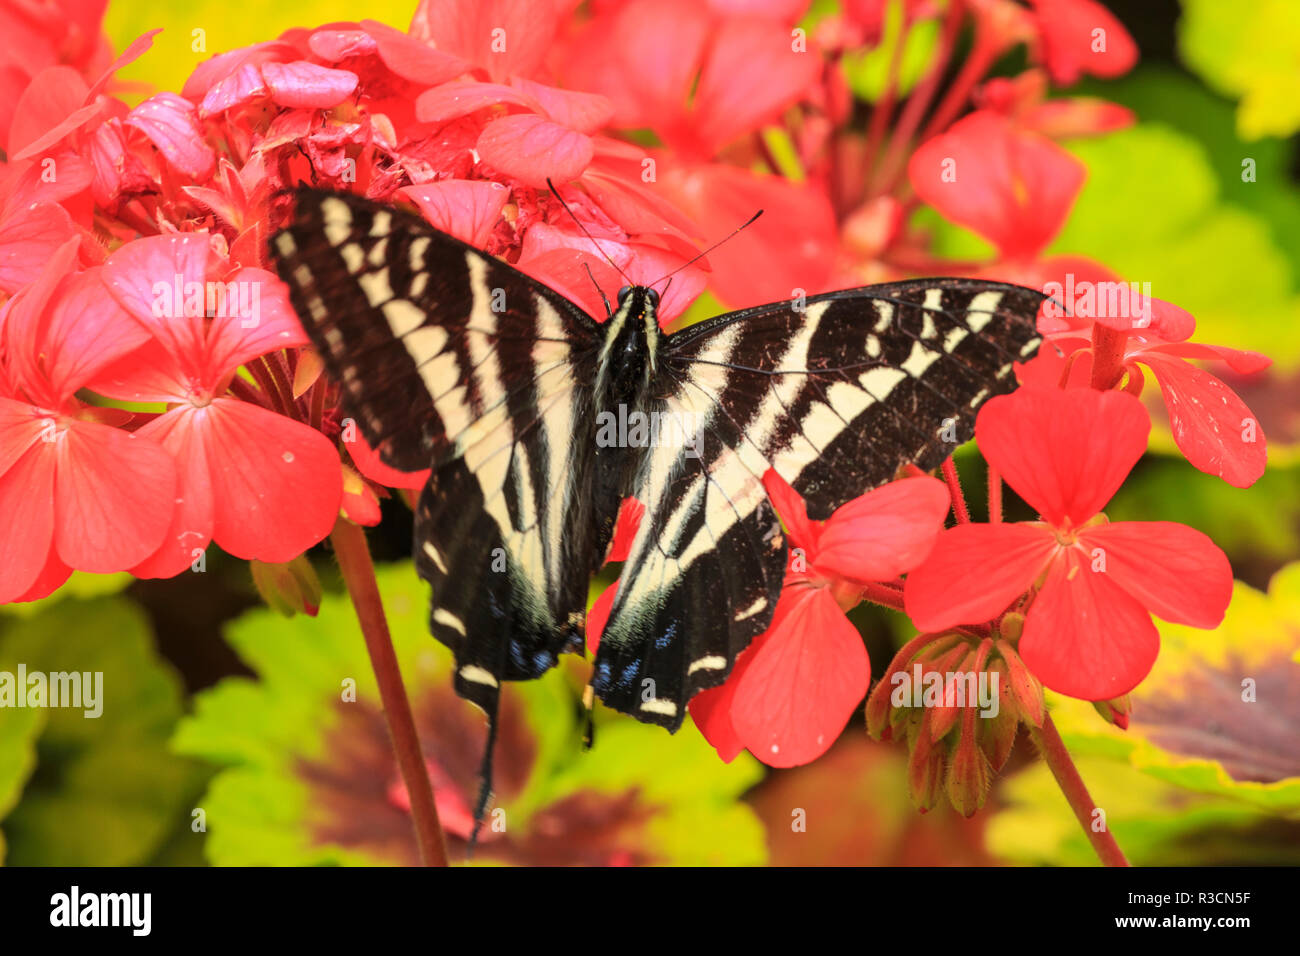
x,y
260,484
795,687
1094,585
76,491
1082,36
1211,425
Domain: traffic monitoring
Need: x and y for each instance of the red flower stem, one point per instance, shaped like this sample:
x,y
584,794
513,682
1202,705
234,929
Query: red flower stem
x,y
353,555
884,107
1049,744
972,71
1107,356
959,509
884,595
275,361
995,496
266,382
914,109
246,392
318,405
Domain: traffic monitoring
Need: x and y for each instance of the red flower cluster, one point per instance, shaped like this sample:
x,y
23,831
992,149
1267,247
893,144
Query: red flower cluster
x,y
155,392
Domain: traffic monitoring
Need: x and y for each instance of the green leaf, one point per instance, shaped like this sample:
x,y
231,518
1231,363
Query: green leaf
x,y
1217,714
1150,210
1249,51
867,70
106,790
303,765
81,585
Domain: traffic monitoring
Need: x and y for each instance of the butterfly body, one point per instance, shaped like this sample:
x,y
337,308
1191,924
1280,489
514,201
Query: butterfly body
x,y
518,399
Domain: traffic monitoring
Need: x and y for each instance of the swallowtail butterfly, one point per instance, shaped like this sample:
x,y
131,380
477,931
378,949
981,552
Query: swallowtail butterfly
x,y
451,359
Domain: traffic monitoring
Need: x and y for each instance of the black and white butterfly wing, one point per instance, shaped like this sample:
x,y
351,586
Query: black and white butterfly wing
x,y
835,396
449,358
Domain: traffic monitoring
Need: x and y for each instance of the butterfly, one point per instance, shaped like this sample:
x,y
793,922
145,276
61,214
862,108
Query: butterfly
x,y
538,420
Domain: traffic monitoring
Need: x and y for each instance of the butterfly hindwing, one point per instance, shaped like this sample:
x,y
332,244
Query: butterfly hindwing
x,y
701,579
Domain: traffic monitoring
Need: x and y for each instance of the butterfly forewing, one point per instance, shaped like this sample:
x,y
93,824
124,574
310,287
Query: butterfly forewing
x,y
838,393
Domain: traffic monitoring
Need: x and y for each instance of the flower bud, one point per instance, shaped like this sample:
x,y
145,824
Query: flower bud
x,y
968,773
1115,711
1025,688
289,588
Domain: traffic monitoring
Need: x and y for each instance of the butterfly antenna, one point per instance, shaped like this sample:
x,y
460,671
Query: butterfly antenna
x,y
608,313
699,256
556,193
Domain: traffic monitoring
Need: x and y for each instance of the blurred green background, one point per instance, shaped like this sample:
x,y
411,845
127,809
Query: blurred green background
x,y
228,738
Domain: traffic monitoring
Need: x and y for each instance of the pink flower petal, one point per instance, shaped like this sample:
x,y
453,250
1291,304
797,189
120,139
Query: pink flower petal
x,y
28,239
1011,186
505,37
974,573
1067,29
172,125
152,277
335,45
711,711
453,100
256,318
26,499
1085,636
304,85
1211,425
806,676
1066,452
1174,571
883,533
87,331
113,496
370,465
751,73
1241,361
468,210
276,483
242,86
190,529
52,106
412,59
532,149
791,246
584,112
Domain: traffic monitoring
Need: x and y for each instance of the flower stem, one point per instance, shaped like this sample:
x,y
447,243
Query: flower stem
x,y
1107,356
959,509
1049,744
353,555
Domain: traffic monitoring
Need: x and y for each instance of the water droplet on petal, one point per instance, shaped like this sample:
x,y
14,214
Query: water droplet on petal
x,y
288,456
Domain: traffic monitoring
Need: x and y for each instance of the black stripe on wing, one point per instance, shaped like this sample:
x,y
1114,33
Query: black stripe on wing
x,y
391,303
839,395
701,580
